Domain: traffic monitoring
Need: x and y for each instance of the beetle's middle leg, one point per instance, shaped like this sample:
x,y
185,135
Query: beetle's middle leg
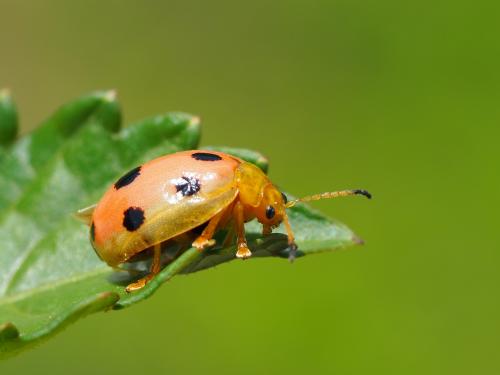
x,y
239,222
205,239
155,268
228,240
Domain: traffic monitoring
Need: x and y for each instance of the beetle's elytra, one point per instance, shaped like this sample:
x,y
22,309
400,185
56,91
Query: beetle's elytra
x,y
169,196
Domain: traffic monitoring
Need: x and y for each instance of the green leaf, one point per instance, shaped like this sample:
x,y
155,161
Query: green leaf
x,y
49,274
21,165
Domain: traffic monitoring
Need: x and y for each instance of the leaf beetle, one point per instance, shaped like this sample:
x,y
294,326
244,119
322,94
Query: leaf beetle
x,y
173,194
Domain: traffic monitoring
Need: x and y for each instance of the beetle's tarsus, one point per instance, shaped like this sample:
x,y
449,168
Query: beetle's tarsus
x,y
139,284
155,269
202,243
293,252
243,252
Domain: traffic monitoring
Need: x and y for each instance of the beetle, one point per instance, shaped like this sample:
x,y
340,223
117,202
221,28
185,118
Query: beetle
x,y
170,196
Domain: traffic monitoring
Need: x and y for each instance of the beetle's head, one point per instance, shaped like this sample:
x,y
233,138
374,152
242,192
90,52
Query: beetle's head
x,y
271,209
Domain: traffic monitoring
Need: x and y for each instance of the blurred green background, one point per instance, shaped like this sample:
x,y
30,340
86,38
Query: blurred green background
x,y
399,98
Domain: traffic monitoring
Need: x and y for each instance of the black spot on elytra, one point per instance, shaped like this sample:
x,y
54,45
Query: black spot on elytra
x,y
127,178
188,186
270,212
92,232
133,217
206,156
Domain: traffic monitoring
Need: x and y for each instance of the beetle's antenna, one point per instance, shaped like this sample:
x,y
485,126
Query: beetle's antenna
x,y
328,195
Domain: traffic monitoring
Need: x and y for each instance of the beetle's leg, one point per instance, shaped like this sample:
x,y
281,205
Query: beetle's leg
x,y
291,239
205,239
155,268
239,221
228,239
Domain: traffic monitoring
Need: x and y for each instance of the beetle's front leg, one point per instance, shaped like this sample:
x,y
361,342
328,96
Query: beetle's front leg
x,y
291,239
239,221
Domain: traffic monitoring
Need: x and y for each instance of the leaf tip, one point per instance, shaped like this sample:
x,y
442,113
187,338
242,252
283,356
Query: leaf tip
x,y
110,95
195,121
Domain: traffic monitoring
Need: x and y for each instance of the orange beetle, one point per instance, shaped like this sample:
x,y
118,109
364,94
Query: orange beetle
x,y
173,194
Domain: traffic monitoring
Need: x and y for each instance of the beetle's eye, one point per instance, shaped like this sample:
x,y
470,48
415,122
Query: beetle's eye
x,y
270,212
285,199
